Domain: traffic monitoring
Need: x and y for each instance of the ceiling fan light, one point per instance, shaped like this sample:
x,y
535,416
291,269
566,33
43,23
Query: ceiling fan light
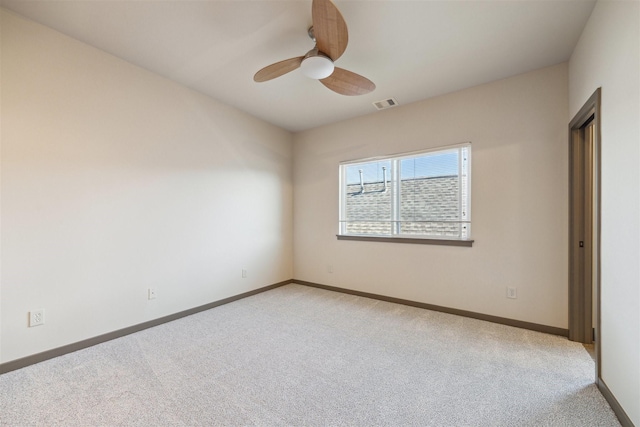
x,y
317,67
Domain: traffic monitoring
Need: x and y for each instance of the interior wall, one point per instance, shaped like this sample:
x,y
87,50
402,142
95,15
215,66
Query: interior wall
x,y
115,180
608,56
518,131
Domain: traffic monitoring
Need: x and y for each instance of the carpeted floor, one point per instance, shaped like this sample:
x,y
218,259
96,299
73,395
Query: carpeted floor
x,y
297,355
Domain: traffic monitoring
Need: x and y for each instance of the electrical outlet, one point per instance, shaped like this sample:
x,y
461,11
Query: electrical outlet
x,y
330,269
152,293
244,273
512,293
36,318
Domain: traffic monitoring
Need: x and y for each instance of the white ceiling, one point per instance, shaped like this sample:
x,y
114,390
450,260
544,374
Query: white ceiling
x,y
412,50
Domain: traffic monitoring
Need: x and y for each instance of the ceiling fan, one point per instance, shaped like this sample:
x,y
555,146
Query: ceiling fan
x,y
329,31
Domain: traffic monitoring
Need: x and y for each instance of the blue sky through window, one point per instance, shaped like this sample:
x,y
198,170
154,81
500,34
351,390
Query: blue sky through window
x,y
427,166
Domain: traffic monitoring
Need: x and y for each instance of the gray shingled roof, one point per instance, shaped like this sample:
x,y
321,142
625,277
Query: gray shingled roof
x,y
423,199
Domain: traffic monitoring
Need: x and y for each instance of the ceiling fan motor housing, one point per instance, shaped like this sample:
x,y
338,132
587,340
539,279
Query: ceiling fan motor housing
x,y
316,65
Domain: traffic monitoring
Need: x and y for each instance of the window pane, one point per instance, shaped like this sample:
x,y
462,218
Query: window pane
x,y
368,198
430,195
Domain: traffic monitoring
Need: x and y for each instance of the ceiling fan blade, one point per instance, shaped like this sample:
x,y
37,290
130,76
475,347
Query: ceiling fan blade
x,y
278,69
347,83
329,28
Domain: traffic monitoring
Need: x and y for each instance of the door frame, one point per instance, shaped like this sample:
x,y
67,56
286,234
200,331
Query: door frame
x,y
590,112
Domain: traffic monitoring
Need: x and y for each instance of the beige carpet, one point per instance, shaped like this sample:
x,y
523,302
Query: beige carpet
x,y
302,356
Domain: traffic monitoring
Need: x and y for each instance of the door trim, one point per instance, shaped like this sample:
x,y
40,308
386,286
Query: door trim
x,y
590,111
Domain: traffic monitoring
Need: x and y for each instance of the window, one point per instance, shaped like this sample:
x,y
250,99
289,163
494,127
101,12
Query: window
x,y
424,195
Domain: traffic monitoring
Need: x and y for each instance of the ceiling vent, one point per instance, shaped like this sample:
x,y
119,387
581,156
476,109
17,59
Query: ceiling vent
x,y
386,103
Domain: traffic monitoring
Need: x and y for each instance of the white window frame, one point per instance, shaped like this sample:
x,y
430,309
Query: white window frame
x,y
464,172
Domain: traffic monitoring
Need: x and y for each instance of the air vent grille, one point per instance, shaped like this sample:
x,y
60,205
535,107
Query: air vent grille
x,y
386,103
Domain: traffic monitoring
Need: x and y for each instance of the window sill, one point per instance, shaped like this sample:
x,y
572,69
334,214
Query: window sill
x,y
420,241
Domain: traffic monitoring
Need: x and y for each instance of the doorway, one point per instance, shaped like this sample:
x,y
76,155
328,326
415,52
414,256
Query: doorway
x,y
584,225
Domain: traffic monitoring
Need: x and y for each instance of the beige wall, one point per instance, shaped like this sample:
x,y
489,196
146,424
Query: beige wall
x,y
114,180
608,56
518,131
